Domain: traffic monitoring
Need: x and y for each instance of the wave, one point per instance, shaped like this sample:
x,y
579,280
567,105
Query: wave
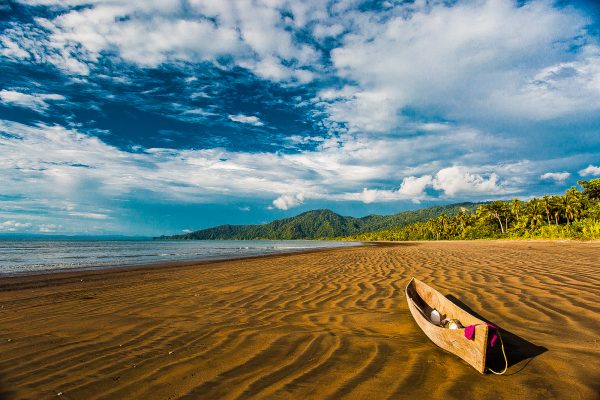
x,y
59,255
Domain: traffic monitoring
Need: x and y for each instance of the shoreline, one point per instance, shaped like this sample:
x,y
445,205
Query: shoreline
x,y
162,264
8,280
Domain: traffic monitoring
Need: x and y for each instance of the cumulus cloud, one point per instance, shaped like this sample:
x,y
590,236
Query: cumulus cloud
x,y
58,164
246,119
77,178
452,181
37,101
287,201
590,170
13,226
558,177
369,196
258,36
414,187
499,65
411,188
458,180
46,162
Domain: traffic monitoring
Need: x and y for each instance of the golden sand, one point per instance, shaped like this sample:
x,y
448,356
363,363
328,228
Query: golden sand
x,y
320,325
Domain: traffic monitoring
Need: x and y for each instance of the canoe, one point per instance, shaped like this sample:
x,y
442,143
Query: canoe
x,y
422,299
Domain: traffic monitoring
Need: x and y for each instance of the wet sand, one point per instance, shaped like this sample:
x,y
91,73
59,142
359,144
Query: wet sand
x,y
327,324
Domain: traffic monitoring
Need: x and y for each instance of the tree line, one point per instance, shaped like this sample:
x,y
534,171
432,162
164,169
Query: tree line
x,y
321,224
573,215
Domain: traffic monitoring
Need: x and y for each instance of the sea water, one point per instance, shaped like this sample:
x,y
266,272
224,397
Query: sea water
x,y
38,255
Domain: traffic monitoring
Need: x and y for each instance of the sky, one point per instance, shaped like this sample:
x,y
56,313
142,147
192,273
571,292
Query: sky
x,y
164,116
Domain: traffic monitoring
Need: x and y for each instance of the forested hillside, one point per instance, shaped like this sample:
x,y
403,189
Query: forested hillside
x,y
318,224
576,214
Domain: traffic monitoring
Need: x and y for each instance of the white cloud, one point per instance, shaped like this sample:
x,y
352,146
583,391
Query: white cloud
x,y
364,110
89,215
253,35
558,177
324,31
48,159
144,34
49,228
246,119
11,49
426,58
458,180
369,196
590,170
77,178
452,181
37,101
414,187
199,111
479,59
287,201
13,226
31,42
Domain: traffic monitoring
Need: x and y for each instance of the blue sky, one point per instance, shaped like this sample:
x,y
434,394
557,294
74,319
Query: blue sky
x,y
144,118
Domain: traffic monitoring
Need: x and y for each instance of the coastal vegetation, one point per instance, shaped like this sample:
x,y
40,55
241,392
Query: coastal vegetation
x,y
574,215
320,224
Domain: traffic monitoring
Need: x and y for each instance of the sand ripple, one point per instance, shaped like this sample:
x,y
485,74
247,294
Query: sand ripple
x,y
326,325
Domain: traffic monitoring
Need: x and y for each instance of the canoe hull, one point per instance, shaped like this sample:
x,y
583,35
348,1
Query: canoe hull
x,y
421,297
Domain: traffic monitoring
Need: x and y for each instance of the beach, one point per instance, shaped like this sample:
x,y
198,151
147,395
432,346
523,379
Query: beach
x,y
314,325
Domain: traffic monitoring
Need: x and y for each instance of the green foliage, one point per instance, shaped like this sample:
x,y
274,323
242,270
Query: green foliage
x,y
591,189
575,215
320,224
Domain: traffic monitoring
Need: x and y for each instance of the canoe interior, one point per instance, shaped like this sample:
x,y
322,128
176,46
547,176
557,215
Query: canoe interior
x,y
421,297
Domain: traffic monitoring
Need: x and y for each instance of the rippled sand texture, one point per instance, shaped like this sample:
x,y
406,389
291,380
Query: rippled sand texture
x,y
331,324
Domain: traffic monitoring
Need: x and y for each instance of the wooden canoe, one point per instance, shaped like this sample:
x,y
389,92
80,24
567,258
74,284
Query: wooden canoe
x,y
422,299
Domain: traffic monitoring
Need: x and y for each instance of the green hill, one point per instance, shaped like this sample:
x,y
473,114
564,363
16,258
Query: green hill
x,y
319,224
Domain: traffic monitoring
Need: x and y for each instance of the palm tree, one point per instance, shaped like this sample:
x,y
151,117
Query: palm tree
x,y
546,203
557,208
445,223
432,228
515,209
533,210
461,220
497,210
574,202
591,189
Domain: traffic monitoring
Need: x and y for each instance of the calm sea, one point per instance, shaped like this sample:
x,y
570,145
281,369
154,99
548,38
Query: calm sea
x,y
18,256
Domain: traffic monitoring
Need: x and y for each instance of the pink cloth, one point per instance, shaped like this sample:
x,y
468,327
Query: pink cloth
x,y
470,333
494,335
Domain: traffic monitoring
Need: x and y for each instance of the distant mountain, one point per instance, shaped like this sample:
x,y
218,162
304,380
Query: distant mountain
x,y
319,224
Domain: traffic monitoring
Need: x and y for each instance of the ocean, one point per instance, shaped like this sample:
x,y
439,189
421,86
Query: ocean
x,y
38,255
